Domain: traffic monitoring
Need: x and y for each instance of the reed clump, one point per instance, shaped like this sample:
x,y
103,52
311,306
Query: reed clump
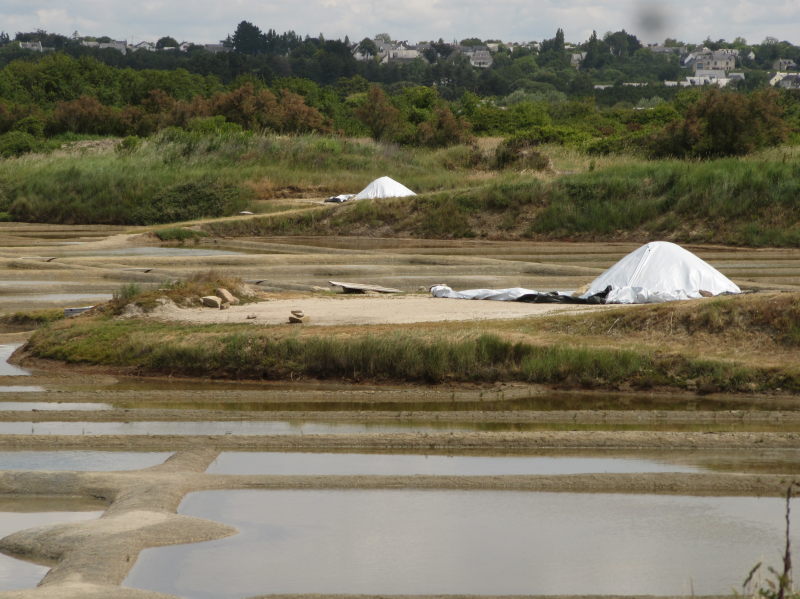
x,y
31,319
182,292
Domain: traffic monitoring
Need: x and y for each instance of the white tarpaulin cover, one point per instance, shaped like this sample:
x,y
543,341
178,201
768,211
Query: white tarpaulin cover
x,y
385,187
660,271
513,294
507,295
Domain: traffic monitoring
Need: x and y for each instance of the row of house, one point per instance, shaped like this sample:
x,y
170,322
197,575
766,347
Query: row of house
x,y
124,47
402,51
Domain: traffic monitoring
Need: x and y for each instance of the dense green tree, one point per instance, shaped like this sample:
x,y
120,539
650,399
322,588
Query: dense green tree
x,y
724,123
368,48
379,115
248,39
166,42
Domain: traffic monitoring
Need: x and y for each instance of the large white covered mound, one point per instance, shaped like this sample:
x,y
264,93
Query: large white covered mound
x,y
660,272
385,187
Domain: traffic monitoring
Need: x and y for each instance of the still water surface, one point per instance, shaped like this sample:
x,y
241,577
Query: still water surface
x,y
28,406
300,427
80,460
18,574
7,369
280,463
475,542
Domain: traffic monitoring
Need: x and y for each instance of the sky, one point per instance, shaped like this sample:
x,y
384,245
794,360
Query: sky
x,y
208,21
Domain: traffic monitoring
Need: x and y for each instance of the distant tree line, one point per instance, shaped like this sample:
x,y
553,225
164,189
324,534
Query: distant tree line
x,y
288,84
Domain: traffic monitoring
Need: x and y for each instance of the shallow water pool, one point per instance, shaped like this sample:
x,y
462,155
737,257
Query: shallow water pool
x,y
230,462
80,460
473,542
19,574
7,369
27,406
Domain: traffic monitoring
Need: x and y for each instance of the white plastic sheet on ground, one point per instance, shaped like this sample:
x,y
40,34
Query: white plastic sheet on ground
x,y
384,187
660,271
508,295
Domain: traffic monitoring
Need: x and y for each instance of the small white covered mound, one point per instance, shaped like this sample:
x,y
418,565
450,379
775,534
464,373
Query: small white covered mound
x,y
660,272
385,187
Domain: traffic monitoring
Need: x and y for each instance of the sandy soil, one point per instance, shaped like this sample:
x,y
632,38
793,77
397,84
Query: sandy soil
x,y
366,309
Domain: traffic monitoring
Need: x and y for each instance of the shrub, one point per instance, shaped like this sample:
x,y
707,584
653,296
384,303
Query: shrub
x,y
180,234
16,143
443,129
212,124
721,123
30,124
84,115
129,144
188,201
126,293
519,152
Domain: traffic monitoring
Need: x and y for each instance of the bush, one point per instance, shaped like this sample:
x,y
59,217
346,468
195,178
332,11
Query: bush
x,y
178,234
129,144
443,129
16,143
189,201
722,123
519,152
213,124
30,124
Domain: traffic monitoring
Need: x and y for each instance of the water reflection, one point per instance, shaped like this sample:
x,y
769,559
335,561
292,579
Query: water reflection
x,y
18,574
306,427
7,369
56,297
340,400
473,542
80,460
27,406
400,464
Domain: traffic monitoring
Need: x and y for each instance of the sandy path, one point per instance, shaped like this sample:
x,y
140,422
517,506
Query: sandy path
x,y
367,309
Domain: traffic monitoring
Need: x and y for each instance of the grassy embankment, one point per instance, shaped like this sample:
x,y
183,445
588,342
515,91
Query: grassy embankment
x,y
750,202
181,176
710,347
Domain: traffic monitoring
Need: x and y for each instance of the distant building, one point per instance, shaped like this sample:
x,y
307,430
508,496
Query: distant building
x,y
784,64
789,82
403,53
216,48
114,45
35,46
576,59
146,46
659,49
710,73
480,58
716,61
